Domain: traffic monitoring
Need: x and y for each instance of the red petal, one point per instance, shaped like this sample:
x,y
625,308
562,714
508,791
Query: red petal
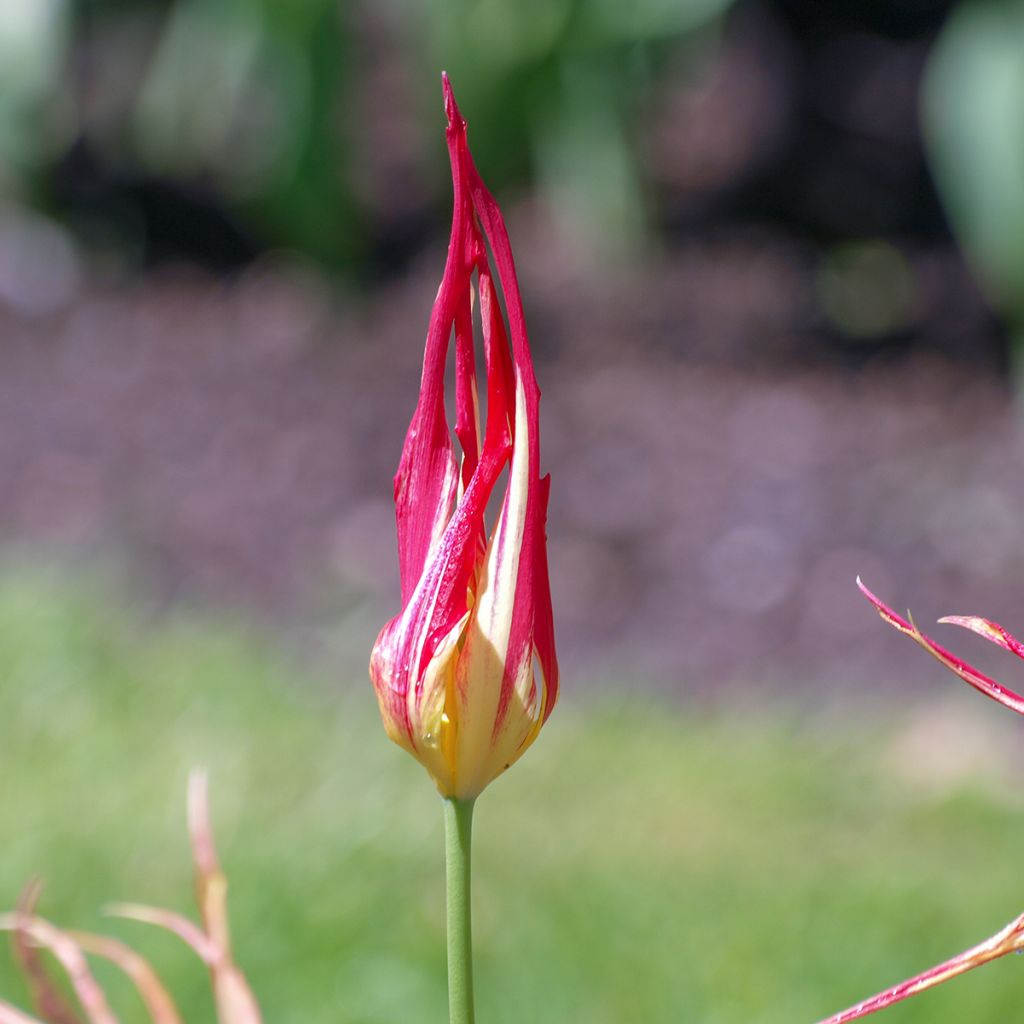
x,y
440,599
426,481
532,582
544,623
467,411
501,382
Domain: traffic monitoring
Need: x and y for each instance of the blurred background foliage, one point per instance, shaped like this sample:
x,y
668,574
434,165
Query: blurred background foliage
x,y
213,130
973,96
258,109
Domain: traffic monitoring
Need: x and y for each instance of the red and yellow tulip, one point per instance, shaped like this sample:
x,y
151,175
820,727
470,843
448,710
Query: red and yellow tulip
x,y
466,673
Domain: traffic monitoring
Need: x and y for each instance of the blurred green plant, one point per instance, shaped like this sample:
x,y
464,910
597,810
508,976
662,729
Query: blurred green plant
x,y
262,103
249,93
246,98
33,38
972,103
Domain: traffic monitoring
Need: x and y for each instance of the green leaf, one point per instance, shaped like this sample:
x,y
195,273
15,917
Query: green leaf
x,y
972,106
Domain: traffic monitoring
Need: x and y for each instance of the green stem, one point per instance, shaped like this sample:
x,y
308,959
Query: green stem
x,y
458,832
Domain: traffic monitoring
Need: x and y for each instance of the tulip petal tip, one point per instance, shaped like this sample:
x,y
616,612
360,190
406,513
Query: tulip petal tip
x,y
451,108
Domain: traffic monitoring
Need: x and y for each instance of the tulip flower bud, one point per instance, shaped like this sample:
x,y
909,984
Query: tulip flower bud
x,y
466,673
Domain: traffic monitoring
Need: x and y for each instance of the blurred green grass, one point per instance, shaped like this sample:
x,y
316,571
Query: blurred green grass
x,y
642,863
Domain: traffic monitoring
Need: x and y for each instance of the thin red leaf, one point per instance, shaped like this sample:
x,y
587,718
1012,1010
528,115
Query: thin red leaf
x,y
1009,940
966,672
70,957
47,998
188,931
989,630
147,982
235,1001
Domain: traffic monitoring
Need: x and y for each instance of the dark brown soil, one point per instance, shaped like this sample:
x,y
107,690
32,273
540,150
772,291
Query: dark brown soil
x,y
715,490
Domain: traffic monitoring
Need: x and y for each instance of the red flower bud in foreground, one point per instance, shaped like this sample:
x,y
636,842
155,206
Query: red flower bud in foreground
x,y
466,674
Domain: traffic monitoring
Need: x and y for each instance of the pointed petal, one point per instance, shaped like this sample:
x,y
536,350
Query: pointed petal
x,y
500,706
467,405
989,630
425,484
544,623
501,383
527,413
967,673
532,584
427,477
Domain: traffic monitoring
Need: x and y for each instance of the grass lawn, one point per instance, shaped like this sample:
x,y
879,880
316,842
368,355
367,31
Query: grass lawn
x,y
639,865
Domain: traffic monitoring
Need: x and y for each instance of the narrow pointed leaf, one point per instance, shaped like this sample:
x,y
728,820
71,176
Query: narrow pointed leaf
x,y
188,931
70,957
235,1001
150,988
47,997
989,630
966,672
1009,940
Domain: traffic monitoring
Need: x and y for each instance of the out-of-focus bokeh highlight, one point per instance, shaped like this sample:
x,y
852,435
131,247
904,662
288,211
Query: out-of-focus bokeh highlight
x,y
772,254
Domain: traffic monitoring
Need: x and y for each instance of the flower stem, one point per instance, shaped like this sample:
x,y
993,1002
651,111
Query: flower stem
x,y
458,831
